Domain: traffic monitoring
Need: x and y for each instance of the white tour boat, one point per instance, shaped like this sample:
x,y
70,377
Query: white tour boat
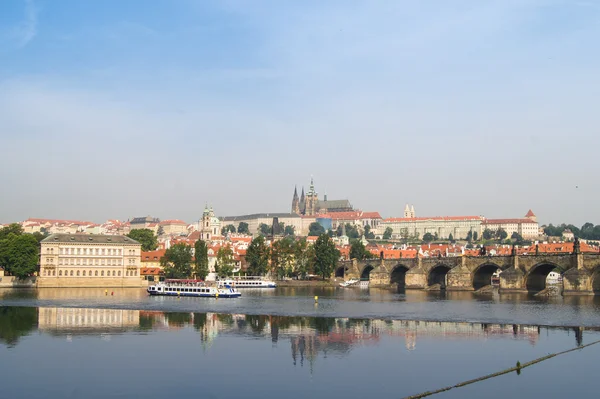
x,y
192,288
246,282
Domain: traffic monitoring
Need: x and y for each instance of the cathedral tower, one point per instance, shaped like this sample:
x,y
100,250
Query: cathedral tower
x,y
296,202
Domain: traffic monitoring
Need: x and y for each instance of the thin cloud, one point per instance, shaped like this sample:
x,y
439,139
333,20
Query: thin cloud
x,y
27,30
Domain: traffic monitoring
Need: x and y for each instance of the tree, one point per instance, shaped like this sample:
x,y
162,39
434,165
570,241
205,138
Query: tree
x,y
289,231
469,236
450,237
326,256
19,254
315,229
264,229
487,234
13,228
516,236
39,236
428,237
475,236
303,258
404,234
352,231
368,233
177,261
359,252
145,237
243,228
387,234
501,234
225,262
282,254
201,259
257,257
227,229
160,231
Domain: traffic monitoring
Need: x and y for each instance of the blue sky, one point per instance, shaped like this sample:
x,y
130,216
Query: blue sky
x,y
126,108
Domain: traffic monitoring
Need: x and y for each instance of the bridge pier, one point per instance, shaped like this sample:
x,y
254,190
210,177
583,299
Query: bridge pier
x,y
416,279
460,279
577,282
512,280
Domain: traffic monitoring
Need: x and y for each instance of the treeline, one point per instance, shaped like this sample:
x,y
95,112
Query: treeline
x,y
19,251
287,257
588,231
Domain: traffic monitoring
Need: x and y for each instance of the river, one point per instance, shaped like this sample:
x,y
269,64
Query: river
x,y
92,343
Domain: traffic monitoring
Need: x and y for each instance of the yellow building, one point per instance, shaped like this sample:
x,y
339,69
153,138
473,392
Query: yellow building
x,y
89,260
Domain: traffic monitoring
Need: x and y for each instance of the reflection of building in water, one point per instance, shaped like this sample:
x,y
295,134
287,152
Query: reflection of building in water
x,y
87,319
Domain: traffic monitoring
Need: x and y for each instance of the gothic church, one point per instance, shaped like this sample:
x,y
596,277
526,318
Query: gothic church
x,y
309,204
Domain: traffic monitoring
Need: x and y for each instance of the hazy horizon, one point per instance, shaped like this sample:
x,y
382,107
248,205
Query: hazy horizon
x,y
119,109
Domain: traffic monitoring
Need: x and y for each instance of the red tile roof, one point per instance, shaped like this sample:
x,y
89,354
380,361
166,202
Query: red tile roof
x,y
356,215
507,221
150,256
150,271
434,218
529,214
172,221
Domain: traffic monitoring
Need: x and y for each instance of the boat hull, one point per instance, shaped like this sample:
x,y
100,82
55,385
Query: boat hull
x,y
196,295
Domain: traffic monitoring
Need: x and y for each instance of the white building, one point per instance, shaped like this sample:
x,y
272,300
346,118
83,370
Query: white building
x,y
526,227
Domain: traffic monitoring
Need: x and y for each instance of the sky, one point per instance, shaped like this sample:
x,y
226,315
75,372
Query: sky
x,y
125,108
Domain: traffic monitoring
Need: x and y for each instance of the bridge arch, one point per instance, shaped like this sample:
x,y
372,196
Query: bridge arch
x,y
366,272
482,276
398,276
340,271
438,274
535,280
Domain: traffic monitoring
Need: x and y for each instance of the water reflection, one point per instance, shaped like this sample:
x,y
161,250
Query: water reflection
x,y
308,336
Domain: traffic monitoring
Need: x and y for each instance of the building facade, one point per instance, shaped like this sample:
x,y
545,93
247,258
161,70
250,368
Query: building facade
x,y
300,223
442,226
173,226
89,260
209,225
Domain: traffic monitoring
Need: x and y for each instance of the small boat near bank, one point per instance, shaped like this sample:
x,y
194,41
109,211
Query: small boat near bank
x,y
246,282
192,289
349,283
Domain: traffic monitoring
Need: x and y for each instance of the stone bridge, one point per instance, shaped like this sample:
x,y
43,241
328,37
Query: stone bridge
x,y
519,273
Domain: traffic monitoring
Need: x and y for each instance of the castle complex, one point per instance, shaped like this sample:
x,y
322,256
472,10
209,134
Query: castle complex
x,y
308,204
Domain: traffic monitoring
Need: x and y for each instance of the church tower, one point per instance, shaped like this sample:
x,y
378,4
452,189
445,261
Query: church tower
x,y
406,212
296,202
311,199
302,203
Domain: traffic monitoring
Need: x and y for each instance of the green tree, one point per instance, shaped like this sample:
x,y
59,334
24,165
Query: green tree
x,y
264,229
475,236
501,234
225,262
368,233
201,259
352,231
13,228
387,234
177,261
160,231
326,256
39,236
404,234
469,236
243,228
303,258
315,229
227,229
487,234
289,231
282,254
450,237
358,251
257,257
428,237
19,254
145,237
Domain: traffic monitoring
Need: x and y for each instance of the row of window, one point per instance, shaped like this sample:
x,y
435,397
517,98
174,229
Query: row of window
x,y
95,273
89,262
92,251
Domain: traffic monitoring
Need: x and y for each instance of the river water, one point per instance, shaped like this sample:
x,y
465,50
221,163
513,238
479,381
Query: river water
x,y
88,343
